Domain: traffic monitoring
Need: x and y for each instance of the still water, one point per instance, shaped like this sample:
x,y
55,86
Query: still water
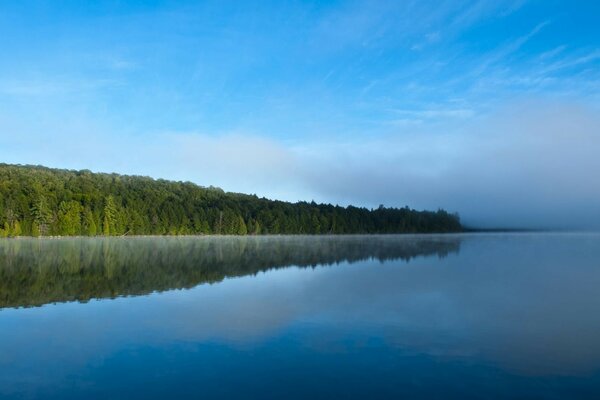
x,y
449,316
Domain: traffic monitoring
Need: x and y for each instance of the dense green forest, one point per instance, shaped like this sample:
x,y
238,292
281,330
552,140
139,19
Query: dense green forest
x,y
35,272
40,201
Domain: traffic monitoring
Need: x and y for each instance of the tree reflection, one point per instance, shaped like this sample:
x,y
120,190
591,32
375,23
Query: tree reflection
x,y
34,272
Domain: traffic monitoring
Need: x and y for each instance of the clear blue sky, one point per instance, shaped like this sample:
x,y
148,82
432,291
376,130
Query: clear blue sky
x,y
488,108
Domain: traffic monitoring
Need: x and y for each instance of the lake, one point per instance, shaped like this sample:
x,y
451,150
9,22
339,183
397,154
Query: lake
x,y
419,316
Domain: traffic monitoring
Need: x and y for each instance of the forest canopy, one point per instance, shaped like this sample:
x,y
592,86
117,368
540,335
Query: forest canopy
x,y
40,201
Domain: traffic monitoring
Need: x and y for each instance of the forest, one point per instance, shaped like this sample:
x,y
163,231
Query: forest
x,y
40,201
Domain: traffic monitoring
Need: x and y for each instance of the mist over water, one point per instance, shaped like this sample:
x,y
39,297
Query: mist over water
x,y
40,271
508,314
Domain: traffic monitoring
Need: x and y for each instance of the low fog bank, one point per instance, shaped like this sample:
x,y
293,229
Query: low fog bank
x,y
533,164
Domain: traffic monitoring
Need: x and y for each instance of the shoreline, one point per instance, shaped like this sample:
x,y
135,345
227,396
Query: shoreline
x,y
465,232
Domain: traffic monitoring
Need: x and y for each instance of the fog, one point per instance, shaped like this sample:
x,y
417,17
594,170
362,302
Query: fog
x,y
529,164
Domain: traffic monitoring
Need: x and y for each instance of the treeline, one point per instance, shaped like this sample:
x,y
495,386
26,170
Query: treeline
x,y
40,201
37,272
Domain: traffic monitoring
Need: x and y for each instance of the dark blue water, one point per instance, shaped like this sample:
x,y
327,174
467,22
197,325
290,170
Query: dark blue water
x,y
457,316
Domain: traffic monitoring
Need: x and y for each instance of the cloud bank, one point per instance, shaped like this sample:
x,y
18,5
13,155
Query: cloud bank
x,y
533,164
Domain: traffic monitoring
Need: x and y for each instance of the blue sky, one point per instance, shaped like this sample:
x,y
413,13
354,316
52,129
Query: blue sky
x,y
485,108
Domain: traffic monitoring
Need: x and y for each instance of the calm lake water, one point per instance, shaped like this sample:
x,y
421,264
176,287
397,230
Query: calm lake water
x,y
449,316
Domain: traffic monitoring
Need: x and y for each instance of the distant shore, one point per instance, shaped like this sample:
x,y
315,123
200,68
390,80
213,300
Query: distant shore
x,y
40,201
466,231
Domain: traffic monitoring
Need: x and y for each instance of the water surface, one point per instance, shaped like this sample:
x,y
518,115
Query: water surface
x,y
464,316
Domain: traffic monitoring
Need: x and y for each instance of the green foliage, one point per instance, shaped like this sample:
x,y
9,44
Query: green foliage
x,y
16,229
40,201
35,229
110,215
89,224
4,232
69,218
241,229
41,214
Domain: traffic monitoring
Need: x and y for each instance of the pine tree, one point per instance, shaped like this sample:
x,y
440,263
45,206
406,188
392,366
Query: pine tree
x,y
205,227
242,230
42,217
69,218
256,228
110,211
16,229
35,229
89,224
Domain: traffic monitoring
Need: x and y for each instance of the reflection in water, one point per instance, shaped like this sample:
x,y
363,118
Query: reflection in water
x,y
507,316
36,272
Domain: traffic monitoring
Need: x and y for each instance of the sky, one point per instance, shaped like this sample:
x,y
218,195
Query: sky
x,y
485,108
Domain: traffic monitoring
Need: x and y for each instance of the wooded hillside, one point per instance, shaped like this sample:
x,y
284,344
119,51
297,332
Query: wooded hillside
x,y
39,201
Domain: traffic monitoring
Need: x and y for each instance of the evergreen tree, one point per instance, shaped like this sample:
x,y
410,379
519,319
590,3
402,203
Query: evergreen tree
x,y
242,229
110,211
89,224
35,229
42,216
204,227
69,218
16,229
256,230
